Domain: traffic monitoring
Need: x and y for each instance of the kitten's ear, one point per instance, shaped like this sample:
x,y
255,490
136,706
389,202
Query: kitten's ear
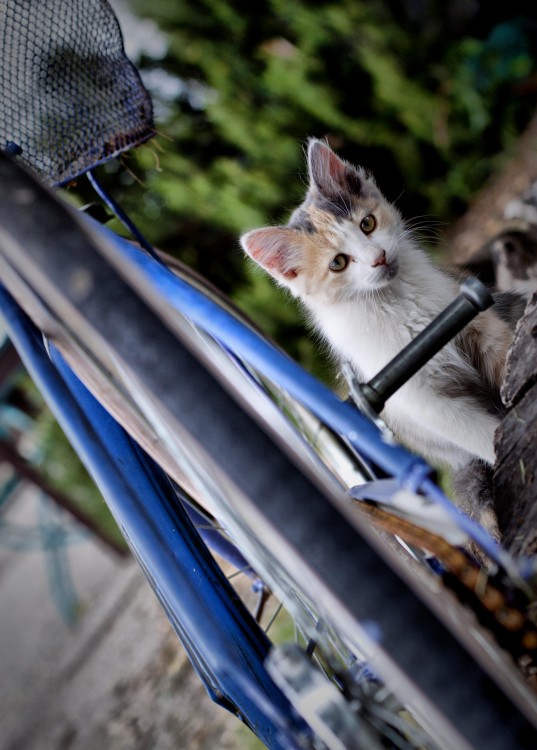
x,y
275,249
330,174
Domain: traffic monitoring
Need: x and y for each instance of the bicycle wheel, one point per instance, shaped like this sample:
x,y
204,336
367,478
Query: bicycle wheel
x,y
66,278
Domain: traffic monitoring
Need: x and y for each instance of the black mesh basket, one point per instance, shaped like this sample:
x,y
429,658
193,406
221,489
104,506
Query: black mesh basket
x,y
70,98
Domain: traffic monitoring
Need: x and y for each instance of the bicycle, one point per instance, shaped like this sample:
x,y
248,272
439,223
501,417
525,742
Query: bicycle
x,y
86,288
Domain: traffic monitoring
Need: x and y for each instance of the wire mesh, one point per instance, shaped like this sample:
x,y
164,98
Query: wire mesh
x,y
71,99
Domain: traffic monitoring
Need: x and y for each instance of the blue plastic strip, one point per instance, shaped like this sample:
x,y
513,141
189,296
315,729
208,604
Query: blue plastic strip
x,y
382,490
223,641
476,532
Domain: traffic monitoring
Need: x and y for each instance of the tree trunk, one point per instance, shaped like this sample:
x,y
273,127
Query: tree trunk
x,y
515,475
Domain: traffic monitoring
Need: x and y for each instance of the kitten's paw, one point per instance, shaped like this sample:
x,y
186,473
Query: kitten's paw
x,y
488,520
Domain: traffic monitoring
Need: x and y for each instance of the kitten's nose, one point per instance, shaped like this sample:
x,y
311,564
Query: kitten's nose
x,y
380,260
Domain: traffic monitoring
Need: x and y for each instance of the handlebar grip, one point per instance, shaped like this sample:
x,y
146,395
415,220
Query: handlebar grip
x,y
474,297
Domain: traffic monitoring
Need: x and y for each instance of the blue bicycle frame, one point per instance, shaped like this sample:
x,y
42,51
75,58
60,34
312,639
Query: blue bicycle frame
x,y
164,540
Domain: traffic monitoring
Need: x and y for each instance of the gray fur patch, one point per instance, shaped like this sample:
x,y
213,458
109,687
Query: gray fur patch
x,y
337,204
301,221
509,307
516,251
473,492
452,386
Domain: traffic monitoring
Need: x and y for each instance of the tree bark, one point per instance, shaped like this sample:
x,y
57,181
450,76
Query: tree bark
x,y
485,217
515,474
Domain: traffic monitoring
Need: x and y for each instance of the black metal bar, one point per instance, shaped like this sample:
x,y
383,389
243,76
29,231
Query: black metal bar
x,y
473,299
123,217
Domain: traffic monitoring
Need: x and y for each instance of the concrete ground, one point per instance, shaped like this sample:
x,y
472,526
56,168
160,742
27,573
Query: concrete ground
x,y
115,679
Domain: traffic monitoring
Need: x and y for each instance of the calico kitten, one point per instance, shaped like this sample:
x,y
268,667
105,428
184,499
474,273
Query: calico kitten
x,y
369,288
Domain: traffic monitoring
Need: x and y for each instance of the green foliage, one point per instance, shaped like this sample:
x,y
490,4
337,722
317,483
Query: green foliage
x,y
425,101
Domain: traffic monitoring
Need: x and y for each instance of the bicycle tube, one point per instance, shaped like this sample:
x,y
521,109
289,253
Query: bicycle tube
x,y
224,643
72,266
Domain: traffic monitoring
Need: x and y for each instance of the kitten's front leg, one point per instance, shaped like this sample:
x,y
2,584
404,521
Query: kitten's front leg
x,y
469,426
459,421
473,493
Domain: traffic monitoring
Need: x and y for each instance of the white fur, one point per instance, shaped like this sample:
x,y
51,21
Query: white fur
x,y
371,310
370,328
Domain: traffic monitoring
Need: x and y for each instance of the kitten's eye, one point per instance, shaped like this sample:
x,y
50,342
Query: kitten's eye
x,y
368,224
339,263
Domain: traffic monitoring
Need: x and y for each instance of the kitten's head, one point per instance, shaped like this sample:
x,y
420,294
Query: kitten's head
x,y
341,241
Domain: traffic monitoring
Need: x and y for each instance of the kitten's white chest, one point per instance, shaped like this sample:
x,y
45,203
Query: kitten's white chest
x,y
446,427
369,339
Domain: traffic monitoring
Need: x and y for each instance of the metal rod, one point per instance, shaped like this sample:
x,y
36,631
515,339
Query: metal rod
x,y
9,455
473,299
123,217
